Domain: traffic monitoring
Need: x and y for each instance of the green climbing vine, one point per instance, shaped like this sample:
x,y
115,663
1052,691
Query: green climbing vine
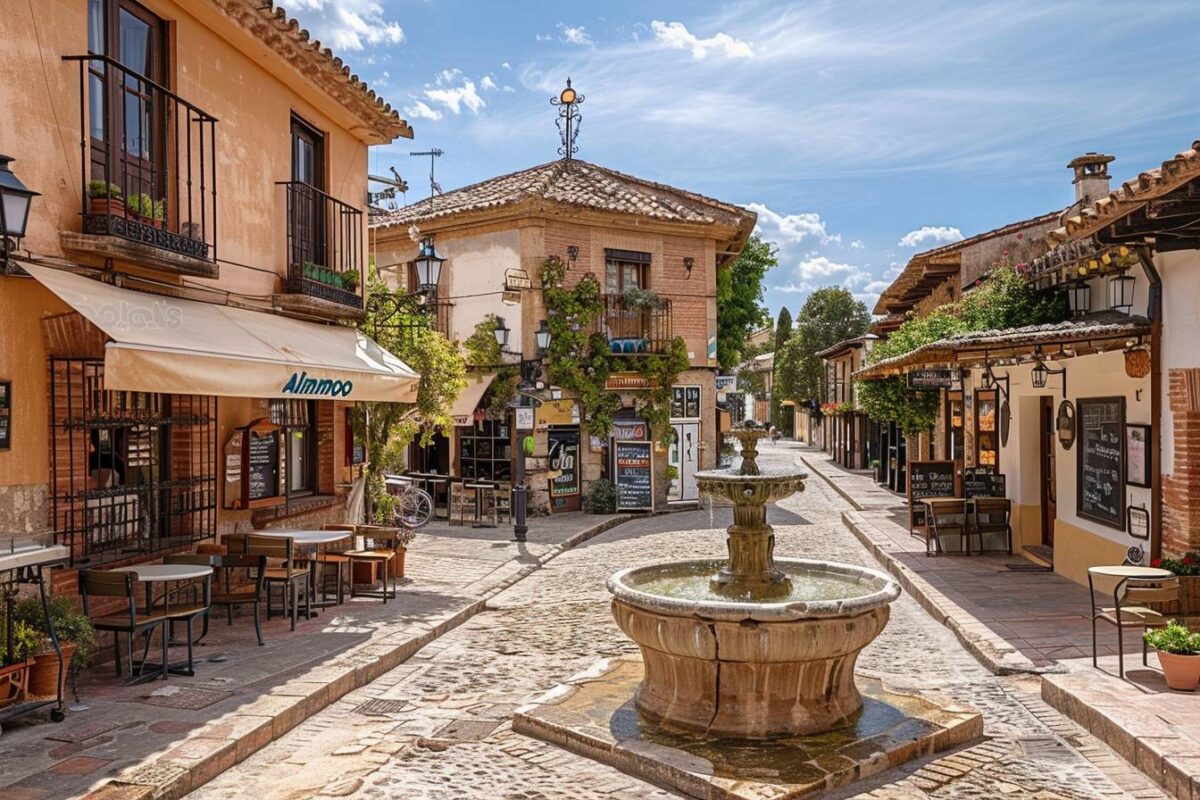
x,y
580,360
484,352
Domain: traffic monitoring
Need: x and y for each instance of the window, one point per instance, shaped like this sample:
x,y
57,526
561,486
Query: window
x,y
485,451
307,202
624,270
298,418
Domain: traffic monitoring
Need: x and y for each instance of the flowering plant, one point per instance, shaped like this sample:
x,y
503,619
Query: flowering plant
x,y
1189,564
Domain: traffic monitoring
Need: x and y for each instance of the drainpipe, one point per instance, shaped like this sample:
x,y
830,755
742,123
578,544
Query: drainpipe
x,y
1154,312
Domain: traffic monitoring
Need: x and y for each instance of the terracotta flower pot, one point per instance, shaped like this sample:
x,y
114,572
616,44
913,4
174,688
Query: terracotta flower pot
x,y
14,679
1182,672
43,675
108,206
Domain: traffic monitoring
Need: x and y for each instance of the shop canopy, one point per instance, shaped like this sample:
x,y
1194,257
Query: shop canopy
x,y
172,345
1091,334
468,399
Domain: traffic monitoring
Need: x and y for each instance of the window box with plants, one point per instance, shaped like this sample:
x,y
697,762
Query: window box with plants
x,y
105,199
1178,654
346,280
147,210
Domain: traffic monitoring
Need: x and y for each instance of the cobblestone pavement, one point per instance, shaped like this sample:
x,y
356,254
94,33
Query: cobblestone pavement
x,y
437,727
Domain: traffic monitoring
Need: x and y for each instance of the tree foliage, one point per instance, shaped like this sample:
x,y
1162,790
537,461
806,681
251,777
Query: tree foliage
x,y
783,332
1005,300
740,309
484,352
397,323
830,315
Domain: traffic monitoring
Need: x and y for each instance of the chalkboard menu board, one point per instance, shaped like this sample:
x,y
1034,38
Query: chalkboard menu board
x,y
564,457
5,415
927,479
1100,427
262,465
634,481
983,483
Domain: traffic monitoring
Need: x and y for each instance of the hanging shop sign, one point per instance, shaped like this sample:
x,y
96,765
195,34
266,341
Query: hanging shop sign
x,y
1137,522
5,415
558,412
1005,422
1101,490
525,418
633,475
934,379
626,381
1064,424
630,431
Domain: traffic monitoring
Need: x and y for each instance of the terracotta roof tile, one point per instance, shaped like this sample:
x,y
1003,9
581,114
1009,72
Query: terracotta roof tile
x,y
575,183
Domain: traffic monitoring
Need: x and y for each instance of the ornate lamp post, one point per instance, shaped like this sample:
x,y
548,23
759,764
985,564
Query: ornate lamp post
x,y
568,101
429,267
529,371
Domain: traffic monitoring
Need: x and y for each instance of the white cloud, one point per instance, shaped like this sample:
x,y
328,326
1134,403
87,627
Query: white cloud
x,y
792,227
421,110
817,267
543,37
574,34
930,233
857,245
506,65
487,84
348,24
508,88
458,97
676,36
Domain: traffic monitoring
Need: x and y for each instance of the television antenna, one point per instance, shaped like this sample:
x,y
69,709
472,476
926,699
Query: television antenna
x,y
434,154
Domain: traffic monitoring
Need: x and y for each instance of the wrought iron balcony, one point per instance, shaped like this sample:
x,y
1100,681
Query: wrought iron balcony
x,y
148,166
324,247
637,327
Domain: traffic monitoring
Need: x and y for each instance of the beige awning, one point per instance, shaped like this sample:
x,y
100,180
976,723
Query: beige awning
x,y
177,346
464,405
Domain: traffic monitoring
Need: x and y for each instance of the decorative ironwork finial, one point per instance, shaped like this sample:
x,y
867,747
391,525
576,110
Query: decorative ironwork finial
x,y
568,120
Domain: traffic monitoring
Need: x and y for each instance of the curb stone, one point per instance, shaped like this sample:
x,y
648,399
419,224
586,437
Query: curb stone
x,y
218,745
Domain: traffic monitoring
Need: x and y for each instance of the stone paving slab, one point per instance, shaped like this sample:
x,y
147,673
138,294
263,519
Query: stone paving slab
x,y
1148,724
592,714
1013,621
166,738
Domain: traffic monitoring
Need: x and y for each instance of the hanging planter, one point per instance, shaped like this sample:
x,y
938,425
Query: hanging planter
x,y
1137,363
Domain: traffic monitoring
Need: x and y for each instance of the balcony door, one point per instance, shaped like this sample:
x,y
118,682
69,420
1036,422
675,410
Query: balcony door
x,y
308,207
127,127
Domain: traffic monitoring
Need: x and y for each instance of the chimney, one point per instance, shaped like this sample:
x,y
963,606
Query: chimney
x,y
1091,177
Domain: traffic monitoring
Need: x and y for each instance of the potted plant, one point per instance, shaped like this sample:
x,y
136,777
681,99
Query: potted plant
x,y
75,636
1187,567
147,209
1178,653
350,280
14,677
105,199
403,540
636,298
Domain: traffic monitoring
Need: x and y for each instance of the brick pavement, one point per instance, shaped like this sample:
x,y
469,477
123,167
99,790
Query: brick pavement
x,y
171,736
1014,620
437,727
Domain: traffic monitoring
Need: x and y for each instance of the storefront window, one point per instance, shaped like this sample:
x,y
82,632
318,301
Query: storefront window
x,y
298,420
987,443
485,451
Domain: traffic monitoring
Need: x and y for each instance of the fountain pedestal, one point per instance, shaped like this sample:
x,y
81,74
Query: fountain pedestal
x,y
769,649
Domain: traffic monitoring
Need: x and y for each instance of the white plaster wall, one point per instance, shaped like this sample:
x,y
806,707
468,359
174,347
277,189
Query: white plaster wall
x,y
473,277
1101,375
1180,272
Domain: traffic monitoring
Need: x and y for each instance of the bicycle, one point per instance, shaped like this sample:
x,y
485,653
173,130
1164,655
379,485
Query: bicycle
x,y
414,506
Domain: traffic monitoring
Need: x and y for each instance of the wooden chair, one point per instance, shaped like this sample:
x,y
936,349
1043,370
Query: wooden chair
x,y
379,550
991,515
947,517
339,562
502,503
1131,597
462,505
228,593
103,583
282,571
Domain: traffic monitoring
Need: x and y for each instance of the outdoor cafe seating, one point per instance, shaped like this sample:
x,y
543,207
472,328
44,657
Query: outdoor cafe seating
x,y
981,518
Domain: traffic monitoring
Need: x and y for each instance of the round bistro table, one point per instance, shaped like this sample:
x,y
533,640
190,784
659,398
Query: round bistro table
x,y
314,539
151,574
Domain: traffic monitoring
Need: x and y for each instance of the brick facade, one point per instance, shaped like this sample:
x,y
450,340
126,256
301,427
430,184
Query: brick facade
x,y
1181,486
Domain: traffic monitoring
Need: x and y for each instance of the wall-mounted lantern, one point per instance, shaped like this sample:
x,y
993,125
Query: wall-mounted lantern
x,y
1079,298
542,336
15,199
501,332
688,263
1120,292
428,264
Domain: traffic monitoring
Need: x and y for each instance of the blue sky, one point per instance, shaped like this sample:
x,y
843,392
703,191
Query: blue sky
x,y
861,132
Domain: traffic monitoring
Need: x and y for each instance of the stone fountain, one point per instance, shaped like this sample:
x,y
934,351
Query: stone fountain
x,y
752,647
745,688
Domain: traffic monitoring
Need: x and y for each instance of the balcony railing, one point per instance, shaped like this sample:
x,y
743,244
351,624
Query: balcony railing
x,y
148,161
637,328
324,246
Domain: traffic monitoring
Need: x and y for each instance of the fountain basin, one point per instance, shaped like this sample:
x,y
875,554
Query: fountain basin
x,y
751,670
749,490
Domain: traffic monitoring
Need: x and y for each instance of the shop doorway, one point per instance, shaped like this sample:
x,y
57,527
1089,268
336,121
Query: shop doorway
x,y
1048,440
683,455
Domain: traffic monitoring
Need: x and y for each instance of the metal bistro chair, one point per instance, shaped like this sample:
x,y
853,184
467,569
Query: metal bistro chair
x,y
227,593
991,515
462,504
379,550
1129,610
946,517
281,571
103,583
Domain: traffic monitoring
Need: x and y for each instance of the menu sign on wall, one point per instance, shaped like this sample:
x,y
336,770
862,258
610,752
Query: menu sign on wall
x,y
263,465
1100,429
983,483
927,479
634,481
5,415
254,467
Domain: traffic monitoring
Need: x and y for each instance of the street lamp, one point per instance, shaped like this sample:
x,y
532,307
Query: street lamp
x,y
1040,374
520,491
429,267
1120,292
501,332
15,200
1079,298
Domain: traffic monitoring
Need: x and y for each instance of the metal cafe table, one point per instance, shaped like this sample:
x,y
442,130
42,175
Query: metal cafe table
x,y
166,574
315,539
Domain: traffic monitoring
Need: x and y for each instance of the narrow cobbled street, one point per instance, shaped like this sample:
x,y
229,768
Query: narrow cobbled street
x,y
437,727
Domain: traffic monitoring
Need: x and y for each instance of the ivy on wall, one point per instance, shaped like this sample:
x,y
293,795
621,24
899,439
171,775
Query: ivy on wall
x,y
1005,300
483,351
580,359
